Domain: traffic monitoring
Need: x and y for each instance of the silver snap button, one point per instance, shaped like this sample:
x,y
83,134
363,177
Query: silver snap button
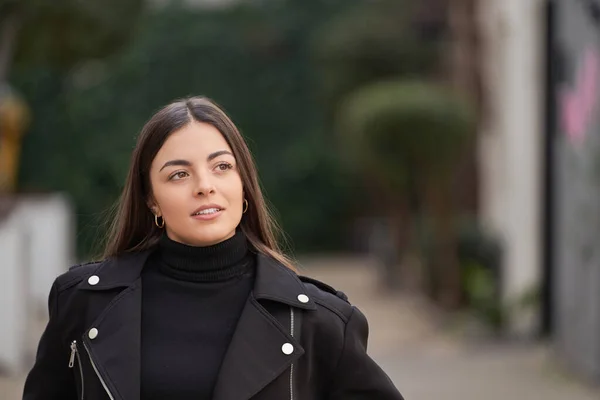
x,y
93,280
287,348
302,298
93,333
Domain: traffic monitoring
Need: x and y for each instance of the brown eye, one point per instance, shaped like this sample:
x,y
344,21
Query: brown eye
x,y
178,175
224,166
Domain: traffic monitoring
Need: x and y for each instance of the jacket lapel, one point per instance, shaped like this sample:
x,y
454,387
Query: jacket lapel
x,y
113,340
257,354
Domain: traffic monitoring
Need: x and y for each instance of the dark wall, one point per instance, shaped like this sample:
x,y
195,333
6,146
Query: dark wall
x,y
574,148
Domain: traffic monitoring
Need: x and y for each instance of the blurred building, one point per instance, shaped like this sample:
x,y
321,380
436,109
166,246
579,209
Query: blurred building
x,y
197,3
36,245
539,166
573,182
510,153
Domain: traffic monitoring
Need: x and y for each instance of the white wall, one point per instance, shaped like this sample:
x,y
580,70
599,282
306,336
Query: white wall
x,y
36,245
48,228
13,304
511,143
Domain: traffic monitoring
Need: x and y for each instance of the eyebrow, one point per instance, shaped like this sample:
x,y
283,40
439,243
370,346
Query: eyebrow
x,y
216,154
186,163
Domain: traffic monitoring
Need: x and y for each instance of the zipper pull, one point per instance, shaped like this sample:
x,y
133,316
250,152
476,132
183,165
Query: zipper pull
x,y
73,352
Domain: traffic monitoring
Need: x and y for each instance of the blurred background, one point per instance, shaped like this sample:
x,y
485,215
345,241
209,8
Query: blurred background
x,y
437,160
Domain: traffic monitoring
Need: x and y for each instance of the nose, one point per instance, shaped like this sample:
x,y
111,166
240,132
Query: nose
x,y
204,186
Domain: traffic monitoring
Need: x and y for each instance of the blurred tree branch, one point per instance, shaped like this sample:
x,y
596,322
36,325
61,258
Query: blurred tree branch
x,y
10,22
251,58
63,32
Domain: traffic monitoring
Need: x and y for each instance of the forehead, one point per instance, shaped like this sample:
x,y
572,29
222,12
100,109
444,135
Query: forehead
x,y
195,140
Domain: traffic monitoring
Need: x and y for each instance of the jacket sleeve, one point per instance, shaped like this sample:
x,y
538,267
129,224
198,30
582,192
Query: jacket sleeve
x,y
357,375
50,377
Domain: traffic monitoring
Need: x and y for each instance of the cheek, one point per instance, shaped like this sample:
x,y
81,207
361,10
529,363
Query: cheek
x,y
168,204
235,193
168,200
240,190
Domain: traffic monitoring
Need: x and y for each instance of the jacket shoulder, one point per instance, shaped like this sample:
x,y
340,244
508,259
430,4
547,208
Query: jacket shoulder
x,y
328,297
76,274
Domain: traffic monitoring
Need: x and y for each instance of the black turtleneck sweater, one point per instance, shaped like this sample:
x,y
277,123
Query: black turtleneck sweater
x,y
192,300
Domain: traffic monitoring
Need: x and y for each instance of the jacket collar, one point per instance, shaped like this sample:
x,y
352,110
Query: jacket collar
x,y
276,282
117,272
273,281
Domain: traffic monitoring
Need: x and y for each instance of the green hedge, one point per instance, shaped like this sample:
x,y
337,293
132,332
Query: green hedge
x,y
253,60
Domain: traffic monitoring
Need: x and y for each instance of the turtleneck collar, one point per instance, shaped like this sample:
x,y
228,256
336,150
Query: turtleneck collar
x,y
222,261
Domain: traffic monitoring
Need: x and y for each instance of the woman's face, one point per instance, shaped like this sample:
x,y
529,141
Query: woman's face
x,y
196,186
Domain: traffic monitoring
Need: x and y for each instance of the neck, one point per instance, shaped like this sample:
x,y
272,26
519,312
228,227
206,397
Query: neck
x,y
217,262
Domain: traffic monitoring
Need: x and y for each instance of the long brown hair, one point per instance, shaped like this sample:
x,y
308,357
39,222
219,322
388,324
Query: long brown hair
x,y
133,227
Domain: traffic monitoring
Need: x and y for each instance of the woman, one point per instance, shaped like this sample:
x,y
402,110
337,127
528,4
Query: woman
x,y
194,300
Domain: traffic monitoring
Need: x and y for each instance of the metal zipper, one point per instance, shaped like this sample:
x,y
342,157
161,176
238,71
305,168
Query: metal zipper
x,y
75,353
110,396
292,366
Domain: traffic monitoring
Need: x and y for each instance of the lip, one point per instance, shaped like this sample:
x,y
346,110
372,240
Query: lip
x,y
207,216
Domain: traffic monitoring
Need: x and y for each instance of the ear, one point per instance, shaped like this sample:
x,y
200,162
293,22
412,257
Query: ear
x,y
154,208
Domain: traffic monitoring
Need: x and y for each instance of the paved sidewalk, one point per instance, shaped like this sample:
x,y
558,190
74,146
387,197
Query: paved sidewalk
x,y
427,364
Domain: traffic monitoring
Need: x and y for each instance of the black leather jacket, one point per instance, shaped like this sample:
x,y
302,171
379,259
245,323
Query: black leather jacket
x,y
297,339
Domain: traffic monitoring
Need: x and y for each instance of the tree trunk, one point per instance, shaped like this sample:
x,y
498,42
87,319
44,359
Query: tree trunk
x,y
445,263
401,226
